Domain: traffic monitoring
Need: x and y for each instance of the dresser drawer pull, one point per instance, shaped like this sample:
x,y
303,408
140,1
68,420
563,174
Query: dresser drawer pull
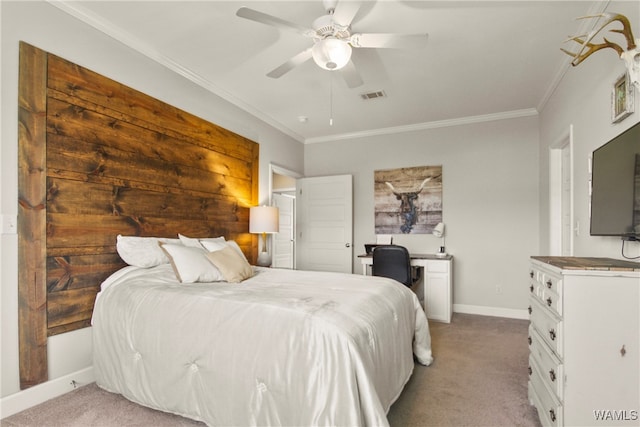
x,y
530,309
530,340
552,375
531,274
531,288
549,284
530,371
552,414
552,334
549,301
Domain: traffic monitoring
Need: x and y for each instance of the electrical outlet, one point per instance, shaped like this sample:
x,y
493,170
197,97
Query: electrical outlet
x,y
498,289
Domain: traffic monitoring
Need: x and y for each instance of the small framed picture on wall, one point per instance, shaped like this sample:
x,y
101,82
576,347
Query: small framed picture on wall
x,y
621,98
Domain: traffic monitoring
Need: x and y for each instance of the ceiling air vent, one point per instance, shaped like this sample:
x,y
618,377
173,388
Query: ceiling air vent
x,y
373,95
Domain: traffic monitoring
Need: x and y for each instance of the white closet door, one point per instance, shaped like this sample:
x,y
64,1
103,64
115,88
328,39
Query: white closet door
x,y
324,223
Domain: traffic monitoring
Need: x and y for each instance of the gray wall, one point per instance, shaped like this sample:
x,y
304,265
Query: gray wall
x,y
583,100
490,200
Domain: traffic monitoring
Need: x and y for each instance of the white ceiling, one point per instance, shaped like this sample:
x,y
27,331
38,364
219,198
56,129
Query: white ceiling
x,y
484,59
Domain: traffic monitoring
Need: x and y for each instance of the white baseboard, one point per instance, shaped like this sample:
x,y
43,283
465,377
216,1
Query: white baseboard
x,y
491,311
37,394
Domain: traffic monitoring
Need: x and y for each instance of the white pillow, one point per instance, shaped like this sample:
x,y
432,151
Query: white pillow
x,y
231,264
197,243
190,264
213,246
189,241
213,239
142,252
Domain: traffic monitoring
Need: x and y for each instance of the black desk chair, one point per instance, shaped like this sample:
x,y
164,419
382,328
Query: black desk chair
x,y
394,262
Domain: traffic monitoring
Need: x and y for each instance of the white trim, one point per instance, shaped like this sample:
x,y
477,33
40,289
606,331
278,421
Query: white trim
x,y
273,168
556,166
491,311
427,125
284,171
40,393
106,27
585,27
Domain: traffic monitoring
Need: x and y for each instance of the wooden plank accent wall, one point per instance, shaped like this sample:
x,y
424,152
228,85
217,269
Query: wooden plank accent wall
x,y
98,159
32,295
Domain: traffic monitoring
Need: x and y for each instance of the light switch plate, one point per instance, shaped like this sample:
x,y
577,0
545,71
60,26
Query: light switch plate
x,y
9,224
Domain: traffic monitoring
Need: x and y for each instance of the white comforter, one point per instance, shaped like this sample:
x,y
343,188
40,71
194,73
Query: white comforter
x,y
282,348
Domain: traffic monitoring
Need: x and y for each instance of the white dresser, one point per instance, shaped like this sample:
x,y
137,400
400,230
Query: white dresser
x,y
584,340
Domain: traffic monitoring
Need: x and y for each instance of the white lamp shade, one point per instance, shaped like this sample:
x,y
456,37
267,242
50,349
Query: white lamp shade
x,y
264,219
438,231
331,53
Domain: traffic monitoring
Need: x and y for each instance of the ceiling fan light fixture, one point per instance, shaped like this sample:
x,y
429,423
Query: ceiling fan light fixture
x,y
331,53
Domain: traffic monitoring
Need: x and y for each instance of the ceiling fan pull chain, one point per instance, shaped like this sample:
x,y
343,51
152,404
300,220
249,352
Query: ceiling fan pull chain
x,y
330,99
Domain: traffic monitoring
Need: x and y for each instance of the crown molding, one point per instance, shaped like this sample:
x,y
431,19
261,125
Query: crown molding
x,y
77,11
106,27
427,125
595,9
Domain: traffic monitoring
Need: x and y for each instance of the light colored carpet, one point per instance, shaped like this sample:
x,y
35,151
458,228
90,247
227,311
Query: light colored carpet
x,y
478,378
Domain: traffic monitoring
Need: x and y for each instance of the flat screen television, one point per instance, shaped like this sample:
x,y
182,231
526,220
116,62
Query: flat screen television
x,y
615,186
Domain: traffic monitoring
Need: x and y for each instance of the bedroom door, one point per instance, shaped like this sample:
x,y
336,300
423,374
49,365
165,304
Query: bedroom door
x,y
324,223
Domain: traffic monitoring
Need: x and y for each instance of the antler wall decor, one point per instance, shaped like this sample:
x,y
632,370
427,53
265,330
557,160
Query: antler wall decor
x,y
630,55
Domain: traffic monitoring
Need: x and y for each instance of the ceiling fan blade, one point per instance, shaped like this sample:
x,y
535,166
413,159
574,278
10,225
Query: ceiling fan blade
x,y
351,75
397,41
345,11
290,64
263,18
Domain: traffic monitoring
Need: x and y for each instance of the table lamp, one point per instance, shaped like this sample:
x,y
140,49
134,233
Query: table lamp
x,y
263,220
438,231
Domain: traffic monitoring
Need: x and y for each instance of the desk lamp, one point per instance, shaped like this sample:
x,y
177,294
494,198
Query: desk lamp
x,y
438,231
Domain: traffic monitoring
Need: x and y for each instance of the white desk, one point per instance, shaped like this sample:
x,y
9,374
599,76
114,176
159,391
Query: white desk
x,y
436,281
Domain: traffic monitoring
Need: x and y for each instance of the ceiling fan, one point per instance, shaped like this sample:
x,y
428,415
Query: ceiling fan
x,y
333,39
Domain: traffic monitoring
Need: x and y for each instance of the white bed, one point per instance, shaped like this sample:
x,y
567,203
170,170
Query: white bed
x,y
280,348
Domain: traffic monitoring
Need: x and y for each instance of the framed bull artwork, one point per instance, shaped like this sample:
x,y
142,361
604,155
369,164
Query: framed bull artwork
x,y
408,200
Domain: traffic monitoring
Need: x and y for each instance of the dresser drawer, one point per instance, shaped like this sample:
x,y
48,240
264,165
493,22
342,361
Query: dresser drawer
x,y
535,289
549,408
552,300
548,325
549,366
551,281
547,287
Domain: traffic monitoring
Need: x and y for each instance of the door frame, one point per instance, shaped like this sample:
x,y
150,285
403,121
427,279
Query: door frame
x,y
565,141
275,169
279,170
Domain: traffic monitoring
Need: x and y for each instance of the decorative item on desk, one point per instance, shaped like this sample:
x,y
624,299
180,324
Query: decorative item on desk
x,y
384,239
263,220
438,231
